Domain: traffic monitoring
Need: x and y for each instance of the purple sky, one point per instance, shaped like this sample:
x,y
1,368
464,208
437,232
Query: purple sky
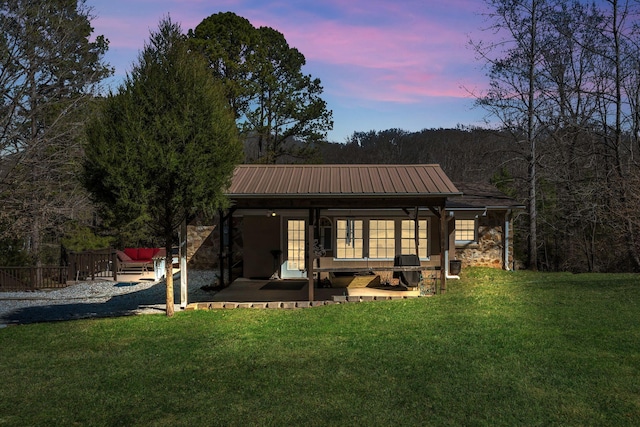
x,y
383,63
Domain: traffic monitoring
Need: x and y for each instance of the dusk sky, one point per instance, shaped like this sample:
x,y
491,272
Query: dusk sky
x,y
383,63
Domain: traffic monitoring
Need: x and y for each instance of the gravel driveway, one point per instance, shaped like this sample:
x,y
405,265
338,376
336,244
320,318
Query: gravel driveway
x,y
98,299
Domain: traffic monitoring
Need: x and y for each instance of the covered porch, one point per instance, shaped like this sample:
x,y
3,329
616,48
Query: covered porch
x,y
297,218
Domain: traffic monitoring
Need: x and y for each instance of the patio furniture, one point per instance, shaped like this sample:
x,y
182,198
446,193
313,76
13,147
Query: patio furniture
x,y
410,279
136,258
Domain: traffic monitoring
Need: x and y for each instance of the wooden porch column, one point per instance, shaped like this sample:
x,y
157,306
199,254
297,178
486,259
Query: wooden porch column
x,y
221,247
314,218
310,262
444,243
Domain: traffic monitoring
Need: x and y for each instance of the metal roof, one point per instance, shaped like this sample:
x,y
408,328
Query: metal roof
x,y
327,181
485,196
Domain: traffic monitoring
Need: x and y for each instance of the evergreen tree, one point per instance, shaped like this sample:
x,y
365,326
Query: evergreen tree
x,y
275,103
166,145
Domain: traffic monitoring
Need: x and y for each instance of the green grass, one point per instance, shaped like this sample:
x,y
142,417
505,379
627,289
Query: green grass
x,y
499,348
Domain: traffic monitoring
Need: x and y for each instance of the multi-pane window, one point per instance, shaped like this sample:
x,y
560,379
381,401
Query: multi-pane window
x,y
408,240
349,238
382,242
296,244
465,230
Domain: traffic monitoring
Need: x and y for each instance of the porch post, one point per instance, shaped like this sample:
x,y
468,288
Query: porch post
x,y
310,254
310,262
221,247
444,240
230,244
416,231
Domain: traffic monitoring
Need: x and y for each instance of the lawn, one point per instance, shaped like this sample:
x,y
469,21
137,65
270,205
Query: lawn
x,y
500,348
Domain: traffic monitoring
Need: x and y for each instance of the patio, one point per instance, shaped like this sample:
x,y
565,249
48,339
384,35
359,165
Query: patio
x,y
250,293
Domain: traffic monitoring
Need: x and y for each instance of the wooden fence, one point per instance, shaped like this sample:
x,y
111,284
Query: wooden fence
x,y
31,278
91,264
87,265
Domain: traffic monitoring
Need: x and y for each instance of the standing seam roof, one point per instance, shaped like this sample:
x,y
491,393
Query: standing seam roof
x,y
335,180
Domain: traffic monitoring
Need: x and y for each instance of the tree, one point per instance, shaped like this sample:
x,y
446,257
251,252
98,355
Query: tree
x,y
566,73
516,93
275,103
619,62
565,83
166,145
227,41
49,72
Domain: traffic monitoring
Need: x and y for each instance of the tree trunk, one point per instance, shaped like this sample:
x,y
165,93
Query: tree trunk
x,y
168,265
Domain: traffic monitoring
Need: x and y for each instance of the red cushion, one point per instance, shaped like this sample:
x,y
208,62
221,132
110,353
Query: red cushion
x,y
145,253
131,253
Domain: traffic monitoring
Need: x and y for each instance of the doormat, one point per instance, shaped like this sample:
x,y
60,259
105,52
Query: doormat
x,y
285,285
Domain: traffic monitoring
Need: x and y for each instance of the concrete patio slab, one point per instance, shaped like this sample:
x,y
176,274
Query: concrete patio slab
x,y
250,291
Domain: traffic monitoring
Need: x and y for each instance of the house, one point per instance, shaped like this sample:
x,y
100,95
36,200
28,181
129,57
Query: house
x,y
318,221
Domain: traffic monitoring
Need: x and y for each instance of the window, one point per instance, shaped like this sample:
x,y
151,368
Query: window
x,y
295,244
349,238
408,241
465,230
382,242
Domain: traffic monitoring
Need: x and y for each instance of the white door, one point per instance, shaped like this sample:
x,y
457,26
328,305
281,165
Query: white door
x,y
294,264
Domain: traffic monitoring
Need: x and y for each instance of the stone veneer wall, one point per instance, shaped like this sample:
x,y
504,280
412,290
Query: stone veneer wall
x,y
488,250
203,241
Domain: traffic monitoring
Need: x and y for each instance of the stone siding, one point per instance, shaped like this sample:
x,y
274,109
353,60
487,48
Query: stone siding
x,y
203,242
488,250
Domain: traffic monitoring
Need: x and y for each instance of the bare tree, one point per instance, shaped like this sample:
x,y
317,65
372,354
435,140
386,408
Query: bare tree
x,y
516,93
49,70
617,122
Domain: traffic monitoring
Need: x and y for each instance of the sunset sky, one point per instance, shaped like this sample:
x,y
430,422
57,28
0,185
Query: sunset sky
x,y
383,63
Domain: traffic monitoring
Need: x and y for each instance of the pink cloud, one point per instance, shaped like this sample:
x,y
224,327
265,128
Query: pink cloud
x,y
413,66
379,50
122,33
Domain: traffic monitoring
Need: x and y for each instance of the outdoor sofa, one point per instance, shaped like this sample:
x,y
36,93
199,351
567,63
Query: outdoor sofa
x,y
138,258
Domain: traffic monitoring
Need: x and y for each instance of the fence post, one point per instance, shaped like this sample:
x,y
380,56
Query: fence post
x,y
70,261
114,264
92,264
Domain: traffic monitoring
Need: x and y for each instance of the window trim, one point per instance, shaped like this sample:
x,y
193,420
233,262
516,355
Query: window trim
x,y
428,237
394,223
475,232
366,237
302,232
364,240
